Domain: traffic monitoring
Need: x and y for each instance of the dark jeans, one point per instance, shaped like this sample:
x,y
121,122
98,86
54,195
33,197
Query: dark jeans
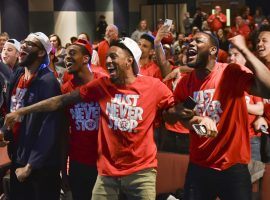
x,y
265,148
255,144
208,184
175,142
82,179
42,184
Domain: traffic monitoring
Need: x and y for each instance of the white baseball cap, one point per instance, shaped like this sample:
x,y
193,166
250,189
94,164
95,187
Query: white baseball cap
x,y
134,49
14,43
43,39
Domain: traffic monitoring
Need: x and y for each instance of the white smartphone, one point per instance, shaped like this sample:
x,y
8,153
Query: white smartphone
x,y
168,22
199,129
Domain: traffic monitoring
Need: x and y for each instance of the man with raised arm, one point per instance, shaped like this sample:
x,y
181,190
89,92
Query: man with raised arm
x,y
126,148
218,165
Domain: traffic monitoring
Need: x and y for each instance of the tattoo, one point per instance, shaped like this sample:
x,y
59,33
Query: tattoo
x,y
70,98
53,103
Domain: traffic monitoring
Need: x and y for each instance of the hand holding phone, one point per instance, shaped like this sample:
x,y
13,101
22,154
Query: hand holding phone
x,y
200,129
263,129
206,127
189,103
168,22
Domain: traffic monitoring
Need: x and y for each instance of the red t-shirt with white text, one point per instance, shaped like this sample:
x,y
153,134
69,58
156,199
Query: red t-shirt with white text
x,y
84,123
221,97
125,140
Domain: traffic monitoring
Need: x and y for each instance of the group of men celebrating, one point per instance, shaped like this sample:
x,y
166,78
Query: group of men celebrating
x,y
110,126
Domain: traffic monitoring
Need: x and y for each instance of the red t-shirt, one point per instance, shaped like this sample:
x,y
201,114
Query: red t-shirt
x,y
151,69
125,140
176,127
84,123
243,30
103,48
93,68
17,101
218,98
250,99
222,56
216,23
267,110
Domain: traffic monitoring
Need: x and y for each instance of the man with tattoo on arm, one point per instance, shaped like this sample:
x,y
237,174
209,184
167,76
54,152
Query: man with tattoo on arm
x,y
128,106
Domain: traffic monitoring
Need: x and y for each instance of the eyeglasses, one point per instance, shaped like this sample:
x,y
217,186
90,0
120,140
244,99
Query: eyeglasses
x,y
30,44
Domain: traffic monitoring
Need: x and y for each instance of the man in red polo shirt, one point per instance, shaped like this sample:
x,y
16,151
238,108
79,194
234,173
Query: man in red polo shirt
x,y
111,34
217,20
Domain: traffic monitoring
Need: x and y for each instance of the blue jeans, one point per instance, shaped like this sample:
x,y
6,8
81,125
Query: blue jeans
x,y
255,144
207,184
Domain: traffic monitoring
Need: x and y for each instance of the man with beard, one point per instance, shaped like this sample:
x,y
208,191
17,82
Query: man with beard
x,y
218,166
126,149
220,150
34,141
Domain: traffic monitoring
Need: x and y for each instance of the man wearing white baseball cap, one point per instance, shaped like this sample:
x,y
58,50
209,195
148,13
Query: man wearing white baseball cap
x,y
10,53
128,105
34,140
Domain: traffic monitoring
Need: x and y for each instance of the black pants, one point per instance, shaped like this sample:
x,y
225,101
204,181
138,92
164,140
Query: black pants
x,y
42,184
175,142
207,184
265,148
82,179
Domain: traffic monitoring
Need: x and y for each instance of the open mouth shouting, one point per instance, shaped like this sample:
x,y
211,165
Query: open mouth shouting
x,y
5,58
112,69
23,54
69,64
191,54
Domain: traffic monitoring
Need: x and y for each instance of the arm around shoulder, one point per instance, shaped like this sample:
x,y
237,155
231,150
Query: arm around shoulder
x,y
48,105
